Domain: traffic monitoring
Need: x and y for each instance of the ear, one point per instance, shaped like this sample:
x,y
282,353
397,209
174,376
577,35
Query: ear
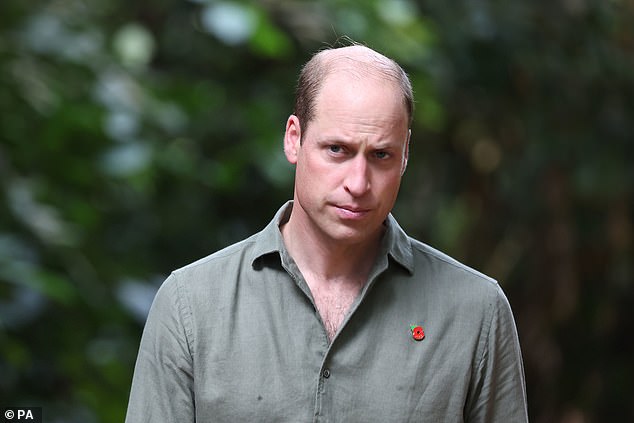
x,y
292,139
406,152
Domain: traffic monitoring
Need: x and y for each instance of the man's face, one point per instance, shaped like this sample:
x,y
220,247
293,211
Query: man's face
x,y
351,158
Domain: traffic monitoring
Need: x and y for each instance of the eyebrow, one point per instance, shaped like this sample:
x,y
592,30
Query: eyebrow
x,y
334,139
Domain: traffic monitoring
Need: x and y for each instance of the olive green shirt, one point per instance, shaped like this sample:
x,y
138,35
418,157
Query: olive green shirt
x,y
236,337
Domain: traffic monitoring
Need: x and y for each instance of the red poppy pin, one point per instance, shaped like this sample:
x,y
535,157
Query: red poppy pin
x,y
417,332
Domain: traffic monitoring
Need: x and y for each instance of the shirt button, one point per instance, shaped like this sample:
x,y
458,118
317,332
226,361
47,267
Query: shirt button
x,y
326,373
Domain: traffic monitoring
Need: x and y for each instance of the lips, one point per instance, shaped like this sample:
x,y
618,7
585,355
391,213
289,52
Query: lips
x,y
351,212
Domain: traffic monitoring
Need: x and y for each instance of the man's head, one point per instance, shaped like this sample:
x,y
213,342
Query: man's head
x,y
351,148
322,64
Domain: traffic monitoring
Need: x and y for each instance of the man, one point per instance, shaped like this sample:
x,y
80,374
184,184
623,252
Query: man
x,y
332,313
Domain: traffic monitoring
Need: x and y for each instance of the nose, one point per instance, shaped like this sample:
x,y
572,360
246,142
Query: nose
x,y
357,178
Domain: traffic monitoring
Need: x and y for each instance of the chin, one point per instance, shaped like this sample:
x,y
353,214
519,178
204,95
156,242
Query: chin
x,y
347,235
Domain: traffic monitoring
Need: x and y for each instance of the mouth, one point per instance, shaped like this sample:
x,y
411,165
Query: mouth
x,y
351,212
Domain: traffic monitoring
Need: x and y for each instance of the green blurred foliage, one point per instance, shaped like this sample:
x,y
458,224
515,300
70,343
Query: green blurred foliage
x,y
135,138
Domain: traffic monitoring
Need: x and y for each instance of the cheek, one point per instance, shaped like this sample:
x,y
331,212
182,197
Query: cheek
x,y
309,181
312,172
390,185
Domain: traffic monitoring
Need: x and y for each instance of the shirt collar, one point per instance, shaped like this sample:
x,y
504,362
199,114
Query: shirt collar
x,y
269,240
398,244
395,243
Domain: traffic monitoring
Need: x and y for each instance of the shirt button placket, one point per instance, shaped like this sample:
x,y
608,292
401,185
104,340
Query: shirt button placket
x,y
321,392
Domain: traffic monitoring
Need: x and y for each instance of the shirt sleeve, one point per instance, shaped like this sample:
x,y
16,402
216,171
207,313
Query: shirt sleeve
x,y
498,390
162,386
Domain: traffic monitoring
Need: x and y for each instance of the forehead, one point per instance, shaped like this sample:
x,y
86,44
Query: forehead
x,y
352,109
351,92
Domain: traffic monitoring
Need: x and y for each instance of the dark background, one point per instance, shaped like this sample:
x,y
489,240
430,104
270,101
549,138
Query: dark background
x,y
136,137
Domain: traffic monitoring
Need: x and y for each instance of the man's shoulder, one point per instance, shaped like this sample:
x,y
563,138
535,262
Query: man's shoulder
x,y
233,255
440,266
426,262
453,284
428,253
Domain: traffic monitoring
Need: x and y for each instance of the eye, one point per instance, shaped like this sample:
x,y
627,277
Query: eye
x,y
335,148
381,155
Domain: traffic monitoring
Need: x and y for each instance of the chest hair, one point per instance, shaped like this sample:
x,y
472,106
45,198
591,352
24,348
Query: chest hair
x,y
333,303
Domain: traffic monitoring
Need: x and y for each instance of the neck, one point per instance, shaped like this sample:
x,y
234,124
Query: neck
x,y
329,259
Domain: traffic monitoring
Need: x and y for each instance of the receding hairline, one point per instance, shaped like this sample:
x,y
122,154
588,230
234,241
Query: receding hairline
x,y
360,61
356,59
355,52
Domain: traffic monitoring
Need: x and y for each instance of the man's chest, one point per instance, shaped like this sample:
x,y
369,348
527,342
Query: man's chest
x,y
333,302
262,360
